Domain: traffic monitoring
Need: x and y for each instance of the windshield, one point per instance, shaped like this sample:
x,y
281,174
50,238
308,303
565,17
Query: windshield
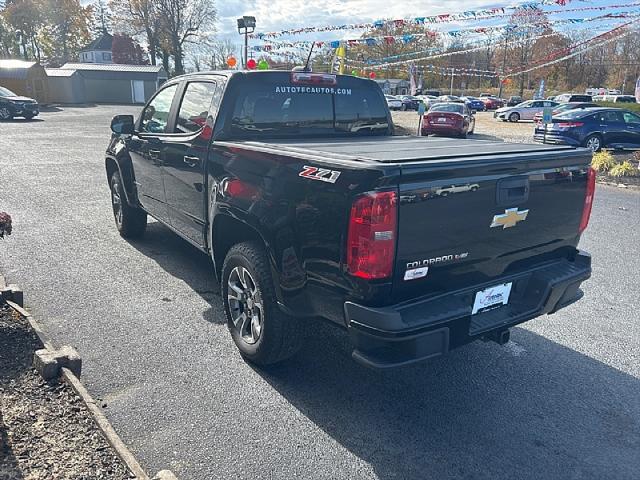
x,y
5,92
272,106
447,107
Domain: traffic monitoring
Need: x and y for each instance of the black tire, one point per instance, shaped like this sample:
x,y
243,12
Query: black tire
x,y
593,142
514,117
279,336
131,222
463,135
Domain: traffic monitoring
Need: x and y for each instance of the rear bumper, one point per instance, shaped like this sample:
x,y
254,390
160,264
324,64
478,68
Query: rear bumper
x,y
408,332
555,139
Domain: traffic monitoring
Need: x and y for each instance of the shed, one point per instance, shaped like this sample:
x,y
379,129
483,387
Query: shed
x,y
25,78
394,86
118,83
65,86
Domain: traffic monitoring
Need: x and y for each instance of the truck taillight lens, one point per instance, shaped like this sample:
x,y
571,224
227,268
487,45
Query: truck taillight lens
x,y
371,240
588,199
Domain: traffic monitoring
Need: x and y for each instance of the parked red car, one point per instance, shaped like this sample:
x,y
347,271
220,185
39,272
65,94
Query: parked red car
x,y
492,103
448,119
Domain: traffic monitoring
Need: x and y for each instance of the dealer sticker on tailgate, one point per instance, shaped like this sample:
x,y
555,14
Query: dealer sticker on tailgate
x,y
491,297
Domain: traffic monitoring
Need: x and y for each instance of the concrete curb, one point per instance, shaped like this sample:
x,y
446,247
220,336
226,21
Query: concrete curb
x,y
100,419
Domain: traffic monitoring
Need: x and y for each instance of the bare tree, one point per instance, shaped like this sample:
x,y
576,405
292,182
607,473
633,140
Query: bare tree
x,y
215,54
184,21
139,17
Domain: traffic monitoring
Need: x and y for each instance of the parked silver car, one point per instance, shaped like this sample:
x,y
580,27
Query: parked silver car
x,y
394,103
524,111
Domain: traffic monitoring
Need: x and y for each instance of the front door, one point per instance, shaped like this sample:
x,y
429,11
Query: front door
x,y
185,157
632,131
145,147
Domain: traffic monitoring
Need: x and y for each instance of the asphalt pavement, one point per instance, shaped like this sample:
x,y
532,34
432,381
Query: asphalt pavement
x,y
560,401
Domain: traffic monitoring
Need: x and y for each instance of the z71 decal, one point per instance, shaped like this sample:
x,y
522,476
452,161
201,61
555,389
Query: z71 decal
x,y
322,174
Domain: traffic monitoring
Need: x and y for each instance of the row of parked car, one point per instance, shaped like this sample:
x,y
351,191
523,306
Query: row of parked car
x,y
412,102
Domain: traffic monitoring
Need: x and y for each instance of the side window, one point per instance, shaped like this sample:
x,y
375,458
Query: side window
x,y
610,117
631,117
156,116
536,104
194,108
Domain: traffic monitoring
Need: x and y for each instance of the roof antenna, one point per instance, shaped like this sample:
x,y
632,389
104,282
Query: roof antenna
x,y
306,65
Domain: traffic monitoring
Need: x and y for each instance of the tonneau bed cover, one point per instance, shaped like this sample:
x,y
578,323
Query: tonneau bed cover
x,y
398,148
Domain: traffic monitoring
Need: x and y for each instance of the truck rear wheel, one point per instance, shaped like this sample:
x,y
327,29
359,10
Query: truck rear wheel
x,y
262,332
131,222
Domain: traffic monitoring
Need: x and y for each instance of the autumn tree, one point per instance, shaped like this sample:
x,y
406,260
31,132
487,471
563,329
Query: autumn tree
x,y
127,51
66,31
139,17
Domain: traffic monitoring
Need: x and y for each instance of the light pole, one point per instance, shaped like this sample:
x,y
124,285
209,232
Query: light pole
x,y
246,25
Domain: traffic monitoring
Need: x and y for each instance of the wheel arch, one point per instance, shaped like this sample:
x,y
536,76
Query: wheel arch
x,y
111,166
227,231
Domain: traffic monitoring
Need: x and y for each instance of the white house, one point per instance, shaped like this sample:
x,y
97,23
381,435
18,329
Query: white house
x,y
98,51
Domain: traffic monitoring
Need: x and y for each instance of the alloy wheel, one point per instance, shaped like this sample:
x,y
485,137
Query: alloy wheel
x,y
4,114
245,305
594,144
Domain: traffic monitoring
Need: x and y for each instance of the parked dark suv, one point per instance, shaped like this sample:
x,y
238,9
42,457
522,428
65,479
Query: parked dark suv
x,y
12,105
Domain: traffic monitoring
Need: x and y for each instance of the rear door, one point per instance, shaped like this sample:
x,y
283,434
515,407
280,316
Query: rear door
x,y
613,127
145,148
185,155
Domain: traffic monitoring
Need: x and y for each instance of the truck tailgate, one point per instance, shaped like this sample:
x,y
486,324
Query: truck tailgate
x,y
466,221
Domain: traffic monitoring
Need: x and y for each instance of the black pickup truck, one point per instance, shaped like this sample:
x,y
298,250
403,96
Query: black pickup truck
x,y
308,206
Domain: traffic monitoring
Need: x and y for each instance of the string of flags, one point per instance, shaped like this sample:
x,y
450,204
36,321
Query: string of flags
x,y
511,29
480,14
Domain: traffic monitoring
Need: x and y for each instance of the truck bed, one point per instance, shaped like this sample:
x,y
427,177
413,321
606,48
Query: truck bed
x,y
399,148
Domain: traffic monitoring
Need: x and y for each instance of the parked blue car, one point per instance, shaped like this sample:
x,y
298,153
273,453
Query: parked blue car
x,y
409,102
474,104
594,128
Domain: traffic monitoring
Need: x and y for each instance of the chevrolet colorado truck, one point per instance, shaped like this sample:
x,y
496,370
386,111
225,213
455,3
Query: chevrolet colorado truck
x,y
309,207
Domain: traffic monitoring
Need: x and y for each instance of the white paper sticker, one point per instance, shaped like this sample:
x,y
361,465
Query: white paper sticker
x,y
497,295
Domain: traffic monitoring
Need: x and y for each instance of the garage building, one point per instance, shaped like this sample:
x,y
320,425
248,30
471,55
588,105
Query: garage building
x,y
28,79
65,86
116,83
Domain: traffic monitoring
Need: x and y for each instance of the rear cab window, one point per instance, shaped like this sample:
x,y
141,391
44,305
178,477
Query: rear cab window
x,y
285,105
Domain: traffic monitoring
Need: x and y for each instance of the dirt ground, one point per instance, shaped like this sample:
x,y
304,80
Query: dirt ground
x,y
45,431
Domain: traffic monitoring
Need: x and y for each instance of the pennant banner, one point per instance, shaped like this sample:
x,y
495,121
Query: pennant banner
x,y
469,15
510,29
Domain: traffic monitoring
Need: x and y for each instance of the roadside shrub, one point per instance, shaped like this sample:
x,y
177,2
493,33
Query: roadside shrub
x,y
5,224
603,161
624,169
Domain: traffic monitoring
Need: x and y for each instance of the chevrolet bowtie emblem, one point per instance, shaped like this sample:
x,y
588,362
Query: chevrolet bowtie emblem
x,y
509,218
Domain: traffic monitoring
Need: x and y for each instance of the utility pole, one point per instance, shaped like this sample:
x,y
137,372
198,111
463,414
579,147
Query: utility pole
x,y
504,62
452,74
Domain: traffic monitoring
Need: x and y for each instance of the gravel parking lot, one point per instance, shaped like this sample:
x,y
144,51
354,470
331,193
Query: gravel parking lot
x,y
562,400
486,126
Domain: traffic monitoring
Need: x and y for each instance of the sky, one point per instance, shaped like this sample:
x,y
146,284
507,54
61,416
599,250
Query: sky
x,y
274,15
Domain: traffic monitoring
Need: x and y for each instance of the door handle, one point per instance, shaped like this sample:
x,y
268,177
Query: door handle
x,y
155,154
191,161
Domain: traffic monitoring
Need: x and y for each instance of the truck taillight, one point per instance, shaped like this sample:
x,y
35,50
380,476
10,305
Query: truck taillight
x,y
588,199
371,240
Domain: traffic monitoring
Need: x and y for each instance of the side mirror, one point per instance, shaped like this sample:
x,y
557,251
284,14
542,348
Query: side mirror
x,y
122,124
